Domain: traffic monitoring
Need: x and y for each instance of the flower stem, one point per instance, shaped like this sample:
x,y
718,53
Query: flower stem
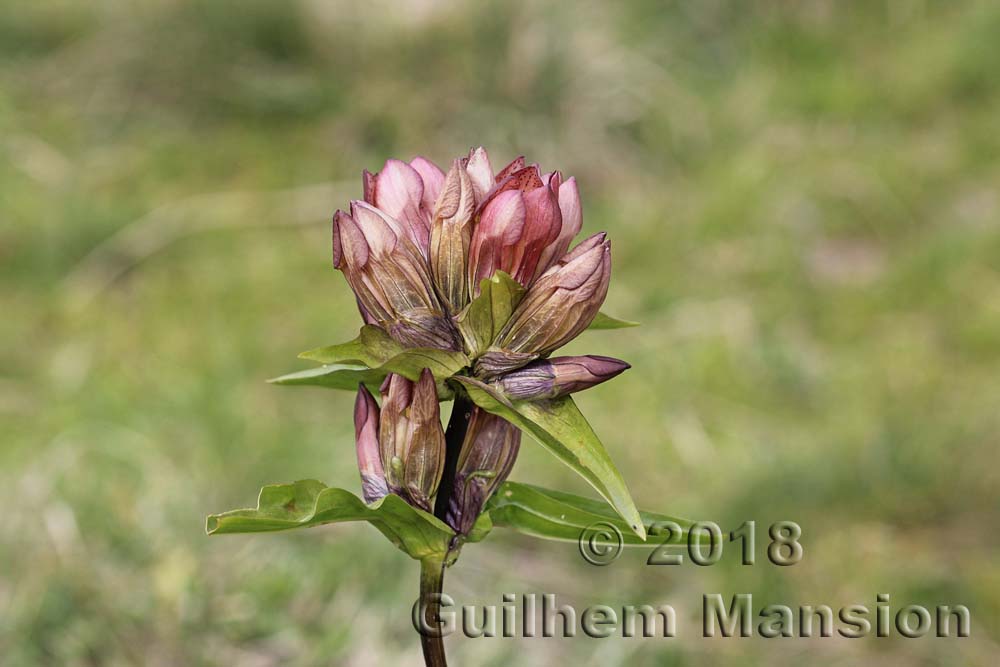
x,y
431,585
432,569
461,412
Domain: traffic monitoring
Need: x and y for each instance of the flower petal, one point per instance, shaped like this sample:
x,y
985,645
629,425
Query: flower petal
x,y
488,453
399,191
349,246
572,221
380,231
433,179
451,236
524,180
480,172
515,165
543,222
495,237
368,186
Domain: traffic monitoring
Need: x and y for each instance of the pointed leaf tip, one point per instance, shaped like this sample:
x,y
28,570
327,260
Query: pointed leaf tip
x,y
604,321
556,515
408,363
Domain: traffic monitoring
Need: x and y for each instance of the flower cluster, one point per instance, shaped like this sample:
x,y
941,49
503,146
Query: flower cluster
x,y
415,252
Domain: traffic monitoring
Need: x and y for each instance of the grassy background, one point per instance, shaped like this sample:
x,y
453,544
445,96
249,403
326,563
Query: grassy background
x,y
804,204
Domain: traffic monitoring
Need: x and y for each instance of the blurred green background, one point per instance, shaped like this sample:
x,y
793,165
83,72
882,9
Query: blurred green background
x,y
803,199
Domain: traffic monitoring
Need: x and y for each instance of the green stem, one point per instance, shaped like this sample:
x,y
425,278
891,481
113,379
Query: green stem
x,y
431,585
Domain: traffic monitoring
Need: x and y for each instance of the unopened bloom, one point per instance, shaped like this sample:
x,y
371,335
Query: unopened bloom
x,y
526,221
451,234
366,416
488,453
417,248
406,193
555,309
390,277
411,440
558,376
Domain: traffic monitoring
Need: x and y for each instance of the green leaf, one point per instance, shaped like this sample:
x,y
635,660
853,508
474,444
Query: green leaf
x,y
335,376
602,321
372,348
408,363
560,427
309,503
480,529
555,515
481,321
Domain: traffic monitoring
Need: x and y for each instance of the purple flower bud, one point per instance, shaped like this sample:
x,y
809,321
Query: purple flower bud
x,y
497,362
411,439
366,416
555,309
488,453
551,378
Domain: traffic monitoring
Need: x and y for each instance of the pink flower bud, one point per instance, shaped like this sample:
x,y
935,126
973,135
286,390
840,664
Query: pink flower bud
x,y
495,237
366,416
520,218
543,223
394,428
480,172
398,191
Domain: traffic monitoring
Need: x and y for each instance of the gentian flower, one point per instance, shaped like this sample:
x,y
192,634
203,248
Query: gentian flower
x,y
415,251
466,284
